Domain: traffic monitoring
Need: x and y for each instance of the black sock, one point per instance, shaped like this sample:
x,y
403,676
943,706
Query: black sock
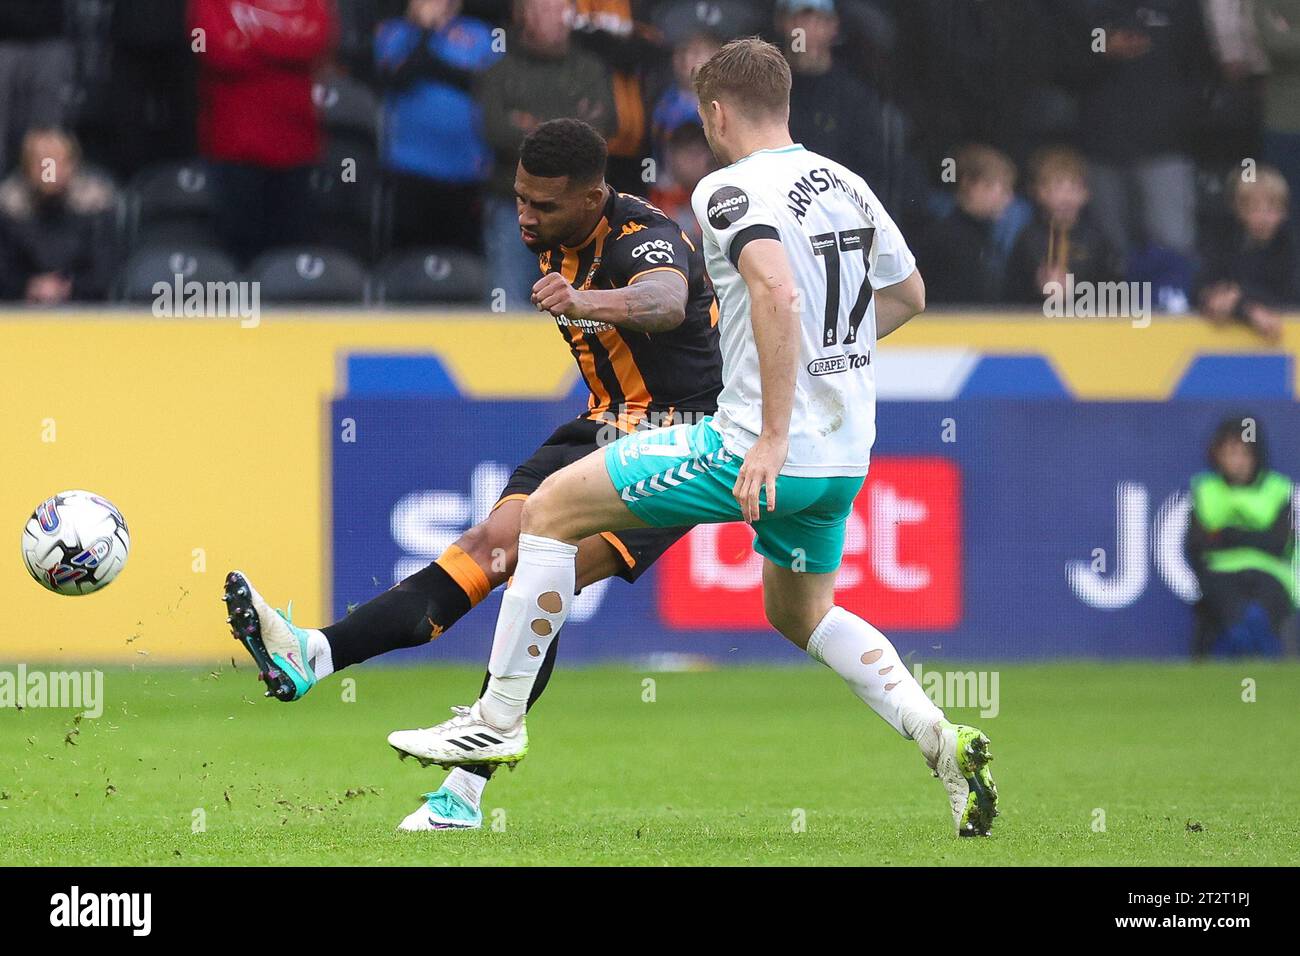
x,y
543,678
424,605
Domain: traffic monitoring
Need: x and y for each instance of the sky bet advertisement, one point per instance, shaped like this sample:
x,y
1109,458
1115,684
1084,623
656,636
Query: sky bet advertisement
x,y
988,529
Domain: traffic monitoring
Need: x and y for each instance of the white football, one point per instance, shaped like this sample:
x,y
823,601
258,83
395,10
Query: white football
x,y
75,542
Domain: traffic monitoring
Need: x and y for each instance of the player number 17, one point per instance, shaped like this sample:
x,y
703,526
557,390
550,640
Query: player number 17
x,y
829,245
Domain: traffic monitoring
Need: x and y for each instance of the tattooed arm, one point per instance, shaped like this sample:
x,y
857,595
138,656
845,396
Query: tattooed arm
x,y
653,302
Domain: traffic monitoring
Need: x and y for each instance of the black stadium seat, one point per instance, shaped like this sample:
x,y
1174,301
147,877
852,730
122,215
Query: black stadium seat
x,y
148,266
345,211
309,274
177,232
346,107
171,191
417,276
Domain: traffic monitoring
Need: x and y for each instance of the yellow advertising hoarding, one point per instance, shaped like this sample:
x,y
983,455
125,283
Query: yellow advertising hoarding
x,y
211,439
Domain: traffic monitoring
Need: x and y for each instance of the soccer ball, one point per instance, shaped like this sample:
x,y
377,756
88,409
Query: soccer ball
x,y
75,542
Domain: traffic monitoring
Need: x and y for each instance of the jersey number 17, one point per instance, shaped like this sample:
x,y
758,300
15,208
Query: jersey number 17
x,y
830,245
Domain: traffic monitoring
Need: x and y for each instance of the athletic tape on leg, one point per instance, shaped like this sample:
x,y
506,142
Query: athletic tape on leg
x,y
871,667
533,610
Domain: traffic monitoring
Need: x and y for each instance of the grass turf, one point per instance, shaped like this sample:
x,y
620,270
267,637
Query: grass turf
x,y
718,769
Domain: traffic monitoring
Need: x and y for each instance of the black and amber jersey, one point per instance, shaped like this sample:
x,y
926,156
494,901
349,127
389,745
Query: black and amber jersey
x,y
633,376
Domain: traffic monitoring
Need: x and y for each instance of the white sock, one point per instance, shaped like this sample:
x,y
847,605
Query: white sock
x,y
866,660
533,610
468,786
319,653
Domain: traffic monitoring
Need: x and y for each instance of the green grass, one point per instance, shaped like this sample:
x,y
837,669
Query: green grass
x,y
712,772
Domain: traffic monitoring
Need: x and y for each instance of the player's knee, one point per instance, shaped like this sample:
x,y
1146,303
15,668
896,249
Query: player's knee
x,y
783,618
492,549
538,516
795,624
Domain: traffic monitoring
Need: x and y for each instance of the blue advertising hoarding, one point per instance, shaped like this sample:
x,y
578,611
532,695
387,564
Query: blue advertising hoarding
x,y
990,529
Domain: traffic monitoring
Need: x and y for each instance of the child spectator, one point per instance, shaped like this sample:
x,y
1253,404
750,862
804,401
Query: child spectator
x,y
677,104
688,159
1249,270
1239,544
55,225
1061,238
433,151
959,254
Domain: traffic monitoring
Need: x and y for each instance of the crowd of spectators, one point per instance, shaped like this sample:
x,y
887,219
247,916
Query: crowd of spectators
x,y
1016,141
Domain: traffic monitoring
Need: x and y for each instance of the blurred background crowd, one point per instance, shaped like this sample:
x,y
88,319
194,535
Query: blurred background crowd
x,y
363,150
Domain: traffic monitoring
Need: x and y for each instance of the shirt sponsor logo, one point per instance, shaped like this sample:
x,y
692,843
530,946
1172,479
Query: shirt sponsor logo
x,y
582,325
656,252
727,206
838,363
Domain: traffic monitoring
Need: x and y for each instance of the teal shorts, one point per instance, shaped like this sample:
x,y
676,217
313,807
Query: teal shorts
x,y
681,475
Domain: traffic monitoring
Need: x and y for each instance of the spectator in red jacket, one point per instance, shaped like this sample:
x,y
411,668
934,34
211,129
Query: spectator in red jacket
x,y
257,124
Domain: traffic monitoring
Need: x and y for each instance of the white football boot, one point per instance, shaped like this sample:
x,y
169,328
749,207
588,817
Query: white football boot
x,y
959,757
465,739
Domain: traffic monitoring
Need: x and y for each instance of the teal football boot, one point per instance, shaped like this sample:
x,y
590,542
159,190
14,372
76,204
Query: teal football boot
x,y
276,644
443,810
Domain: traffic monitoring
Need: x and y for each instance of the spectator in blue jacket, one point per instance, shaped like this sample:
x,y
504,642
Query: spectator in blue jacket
x,y
433,150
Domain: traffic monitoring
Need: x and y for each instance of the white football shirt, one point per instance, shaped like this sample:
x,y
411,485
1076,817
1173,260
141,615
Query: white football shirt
x,y
841,244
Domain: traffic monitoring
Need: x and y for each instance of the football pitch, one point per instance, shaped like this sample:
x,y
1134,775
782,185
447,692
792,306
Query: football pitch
x,y
1096,764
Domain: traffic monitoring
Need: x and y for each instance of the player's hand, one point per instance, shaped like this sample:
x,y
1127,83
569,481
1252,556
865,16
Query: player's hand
x,y
555,295
758,473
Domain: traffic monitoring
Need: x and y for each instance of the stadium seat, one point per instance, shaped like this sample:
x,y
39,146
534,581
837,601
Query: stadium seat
x,y
345,212
151,265
168,189
309,274
175,192
417,276
347,107
176,232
